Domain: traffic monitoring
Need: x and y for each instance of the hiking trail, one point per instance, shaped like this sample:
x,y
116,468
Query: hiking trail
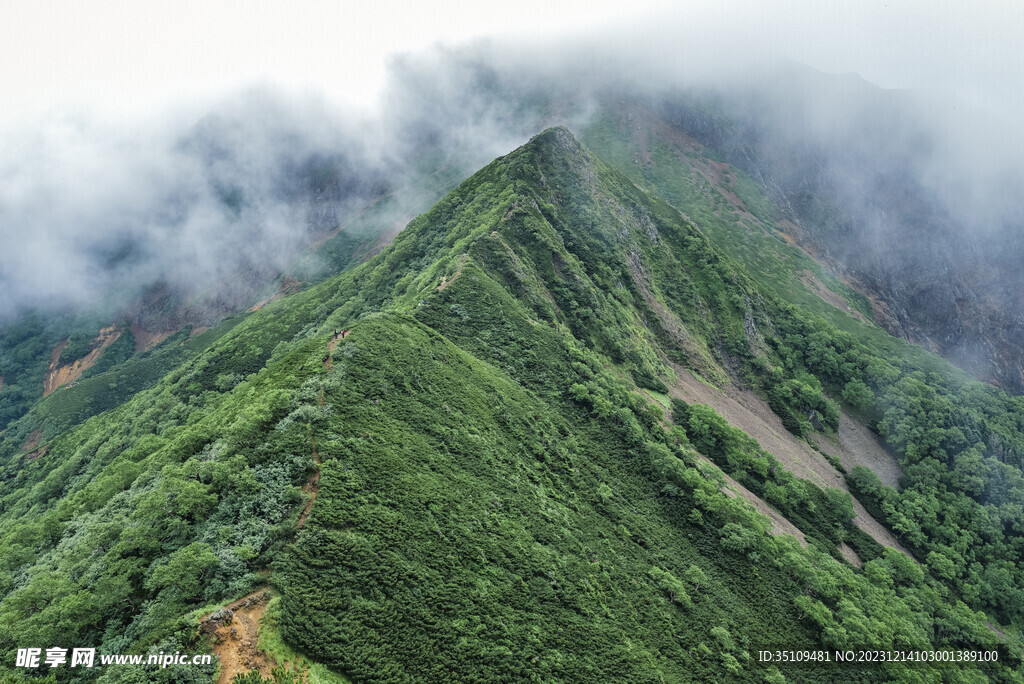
x,y
234,635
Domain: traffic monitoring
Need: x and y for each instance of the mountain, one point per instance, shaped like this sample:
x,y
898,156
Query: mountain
x,y
566,436
899,206
905,195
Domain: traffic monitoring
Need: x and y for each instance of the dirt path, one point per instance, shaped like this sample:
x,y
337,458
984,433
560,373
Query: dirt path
x,y
234,635
312,486
234,629
458,271
331,344
750,413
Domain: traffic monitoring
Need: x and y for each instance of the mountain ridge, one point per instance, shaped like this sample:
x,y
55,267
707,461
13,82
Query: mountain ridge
x,y
498,495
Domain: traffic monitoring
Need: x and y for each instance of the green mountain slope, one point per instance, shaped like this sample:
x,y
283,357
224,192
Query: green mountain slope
x,y
486,480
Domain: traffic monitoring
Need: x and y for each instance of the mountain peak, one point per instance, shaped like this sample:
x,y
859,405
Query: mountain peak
x,y
558,141
559,136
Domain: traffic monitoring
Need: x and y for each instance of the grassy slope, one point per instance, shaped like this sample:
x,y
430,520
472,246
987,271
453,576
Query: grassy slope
x,y
424,555
495,502
463,529
959,442
692,179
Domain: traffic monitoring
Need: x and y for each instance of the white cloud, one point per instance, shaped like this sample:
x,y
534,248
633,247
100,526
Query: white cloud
x,y
124,56
97,97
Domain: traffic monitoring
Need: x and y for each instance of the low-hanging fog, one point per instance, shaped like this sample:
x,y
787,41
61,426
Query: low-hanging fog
x,y
213,201
218,194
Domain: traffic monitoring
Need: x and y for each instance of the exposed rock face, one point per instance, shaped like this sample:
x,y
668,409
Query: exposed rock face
x,y
948,281
935,281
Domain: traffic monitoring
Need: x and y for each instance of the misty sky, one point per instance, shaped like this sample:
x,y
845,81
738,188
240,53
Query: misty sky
x,y
144,141
126,57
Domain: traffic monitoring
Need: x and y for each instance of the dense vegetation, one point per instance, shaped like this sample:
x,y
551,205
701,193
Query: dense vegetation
x,y
25,348
961,443
495,498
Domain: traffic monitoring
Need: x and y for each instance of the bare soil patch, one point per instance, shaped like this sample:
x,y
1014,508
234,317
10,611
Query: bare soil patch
x,y
1000,633
819,288
856,445
750,413
780,525
31,447
146,340
234,635
58,376
850,555
55,354
41,451
786,231
33,440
